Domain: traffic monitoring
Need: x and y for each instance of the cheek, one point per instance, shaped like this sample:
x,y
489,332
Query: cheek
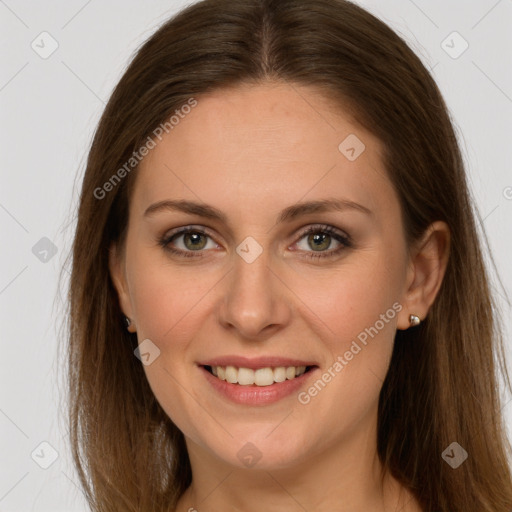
x,y
170,308
351,298
168,298
355,308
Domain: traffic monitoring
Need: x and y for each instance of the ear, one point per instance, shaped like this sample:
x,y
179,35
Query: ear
x,y
117,270
427,266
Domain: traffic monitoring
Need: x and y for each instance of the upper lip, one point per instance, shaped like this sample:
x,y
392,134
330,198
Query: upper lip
x,y
256,362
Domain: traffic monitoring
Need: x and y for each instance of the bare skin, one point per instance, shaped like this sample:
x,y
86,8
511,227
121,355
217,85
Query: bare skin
x,y
250,152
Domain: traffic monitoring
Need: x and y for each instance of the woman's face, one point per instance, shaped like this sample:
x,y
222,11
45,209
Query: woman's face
x,y
254,291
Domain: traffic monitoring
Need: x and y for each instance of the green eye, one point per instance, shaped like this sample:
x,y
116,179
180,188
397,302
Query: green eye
x,y
319,238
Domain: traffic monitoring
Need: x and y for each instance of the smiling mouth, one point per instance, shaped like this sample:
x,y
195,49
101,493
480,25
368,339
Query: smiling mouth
x,y
260,377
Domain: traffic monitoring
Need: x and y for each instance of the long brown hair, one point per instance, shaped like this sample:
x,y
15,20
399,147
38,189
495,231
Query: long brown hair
x,y
442,385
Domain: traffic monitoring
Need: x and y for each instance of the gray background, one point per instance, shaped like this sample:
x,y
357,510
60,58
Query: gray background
x,y
50,105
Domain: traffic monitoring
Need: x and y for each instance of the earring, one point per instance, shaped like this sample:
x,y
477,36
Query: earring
x,y
127,321
414,320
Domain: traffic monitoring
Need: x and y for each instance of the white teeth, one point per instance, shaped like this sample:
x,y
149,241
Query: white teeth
x,y
263,376
280,374
290,372
245,376
260,377
231,374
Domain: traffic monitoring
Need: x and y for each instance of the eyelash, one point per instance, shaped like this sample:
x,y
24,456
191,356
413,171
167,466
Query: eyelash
x,y
343,239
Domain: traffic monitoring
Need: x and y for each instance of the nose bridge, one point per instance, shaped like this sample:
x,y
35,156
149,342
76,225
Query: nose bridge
x,y
252,300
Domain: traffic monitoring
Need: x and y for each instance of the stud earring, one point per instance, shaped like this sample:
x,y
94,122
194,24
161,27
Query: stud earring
x,y
127,321
414,320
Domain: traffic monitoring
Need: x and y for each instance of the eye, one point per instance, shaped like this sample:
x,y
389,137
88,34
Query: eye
x,y
320,238
194,240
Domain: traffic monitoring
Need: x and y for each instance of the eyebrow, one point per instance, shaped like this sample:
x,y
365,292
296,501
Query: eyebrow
x,y
288,214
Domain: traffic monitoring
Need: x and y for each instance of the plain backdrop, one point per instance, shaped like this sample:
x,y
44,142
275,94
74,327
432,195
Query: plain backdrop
x,y
50,105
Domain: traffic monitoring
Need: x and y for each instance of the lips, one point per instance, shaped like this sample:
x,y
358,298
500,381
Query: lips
x,y
256,381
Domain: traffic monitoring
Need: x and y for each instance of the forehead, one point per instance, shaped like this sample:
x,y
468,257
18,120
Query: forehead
x,y
251,147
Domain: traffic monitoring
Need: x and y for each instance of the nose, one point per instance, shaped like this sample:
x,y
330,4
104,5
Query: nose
x,y
256,304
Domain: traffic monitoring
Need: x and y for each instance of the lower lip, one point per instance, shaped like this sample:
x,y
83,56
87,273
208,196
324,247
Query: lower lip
x,y
256,395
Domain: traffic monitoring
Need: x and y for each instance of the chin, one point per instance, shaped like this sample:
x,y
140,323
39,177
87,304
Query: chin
x,y
261,452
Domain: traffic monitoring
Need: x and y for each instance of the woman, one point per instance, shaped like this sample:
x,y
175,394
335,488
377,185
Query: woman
x,y
278,298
